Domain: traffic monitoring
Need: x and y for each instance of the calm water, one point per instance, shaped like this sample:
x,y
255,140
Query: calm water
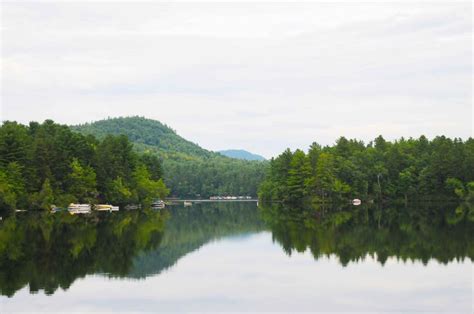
x,y
236,257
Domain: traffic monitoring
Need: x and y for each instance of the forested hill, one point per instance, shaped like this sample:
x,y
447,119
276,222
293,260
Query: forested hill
x,y
189,170
146,134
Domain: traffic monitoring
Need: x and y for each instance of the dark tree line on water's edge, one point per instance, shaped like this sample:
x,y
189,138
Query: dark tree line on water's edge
x,y
412,169
45,164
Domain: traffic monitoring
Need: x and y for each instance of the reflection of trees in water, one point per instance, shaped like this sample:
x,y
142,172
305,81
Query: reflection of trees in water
x,y
424,232
48,251
190,228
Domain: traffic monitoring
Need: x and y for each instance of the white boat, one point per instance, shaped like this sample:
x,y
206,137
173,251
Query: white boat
x,y
79,208
158,205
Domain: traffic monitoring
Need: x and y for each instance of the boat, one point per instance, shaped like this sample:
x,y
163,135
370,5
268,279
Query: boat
x,y
187,203
79,209
103,207
158,204
106,207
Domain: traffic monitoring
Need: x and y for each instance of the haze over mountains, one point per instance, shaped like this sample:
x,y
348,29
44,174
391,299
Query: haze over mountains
x,y
241,154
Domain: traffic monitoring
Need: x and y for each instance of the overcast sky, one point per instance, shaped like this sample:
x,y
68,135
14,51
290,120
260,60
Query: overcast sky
x,y
259,77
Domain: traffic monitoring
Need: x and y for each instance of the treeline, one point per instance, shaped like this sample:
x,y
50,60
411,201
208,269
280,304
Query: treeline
x,y
45,164
189,170
214,176
406,168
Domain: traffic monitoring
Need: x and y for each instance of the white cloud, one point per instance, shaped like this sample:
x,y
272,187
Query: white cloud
x,y
260,77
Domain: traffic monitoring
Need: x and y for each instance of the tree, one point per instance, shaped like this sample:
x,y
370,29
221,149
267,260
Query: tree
x,y
8,197
147,189
14,142
117,192
82,182
325,175
298,175
381,170
45,198
407,182
153,164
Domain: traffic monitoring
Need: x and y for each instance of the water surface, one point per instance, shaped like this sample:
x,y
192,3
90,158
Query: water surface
x,y
235,257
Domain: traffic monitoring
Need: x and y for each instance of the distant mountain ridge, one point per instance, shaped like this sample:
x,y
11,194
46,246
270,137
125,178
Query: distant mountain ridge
x,y
241,154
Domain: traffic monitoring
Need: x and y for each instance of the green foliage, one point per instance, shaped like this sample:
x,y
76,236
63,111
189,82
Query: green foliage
x,y
45,198
118,192
82,182
8,197
457,186
298,176
147,188
187,169
411,169
45,164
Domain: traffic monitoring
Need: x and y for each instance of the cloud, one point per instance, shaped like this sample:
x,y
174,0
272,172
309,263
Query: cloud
x,y
260,77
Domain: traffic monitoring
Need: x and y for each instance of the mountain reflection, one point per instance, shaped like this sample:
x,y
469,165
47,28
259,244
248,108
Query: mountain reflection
x,y
50,251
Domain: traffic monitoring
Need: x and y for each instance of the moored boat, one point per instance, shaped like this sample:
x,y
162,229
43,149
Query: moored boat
x,y
103,207
159,204
79,209
106,207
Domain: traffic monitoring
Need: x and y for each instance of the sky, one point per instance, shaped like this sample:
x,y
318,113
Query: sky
x,y
260,77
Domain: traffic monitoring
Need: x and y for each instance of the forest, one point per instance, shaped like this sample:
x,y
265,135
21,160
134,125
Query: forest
x,y
46,164
188,169
409,169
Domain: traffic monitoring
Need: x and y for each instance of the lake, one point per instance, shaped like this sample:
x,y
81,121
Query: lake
x,y
221,257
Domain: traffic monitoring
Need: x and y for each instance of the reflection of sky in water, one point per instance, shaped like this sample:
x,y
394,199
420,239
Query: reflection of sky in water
x,y
250,273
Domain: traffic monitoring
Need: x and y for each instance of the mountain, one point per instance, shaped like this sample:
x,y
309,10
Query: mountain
x,y
189,170
147,135
241,154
